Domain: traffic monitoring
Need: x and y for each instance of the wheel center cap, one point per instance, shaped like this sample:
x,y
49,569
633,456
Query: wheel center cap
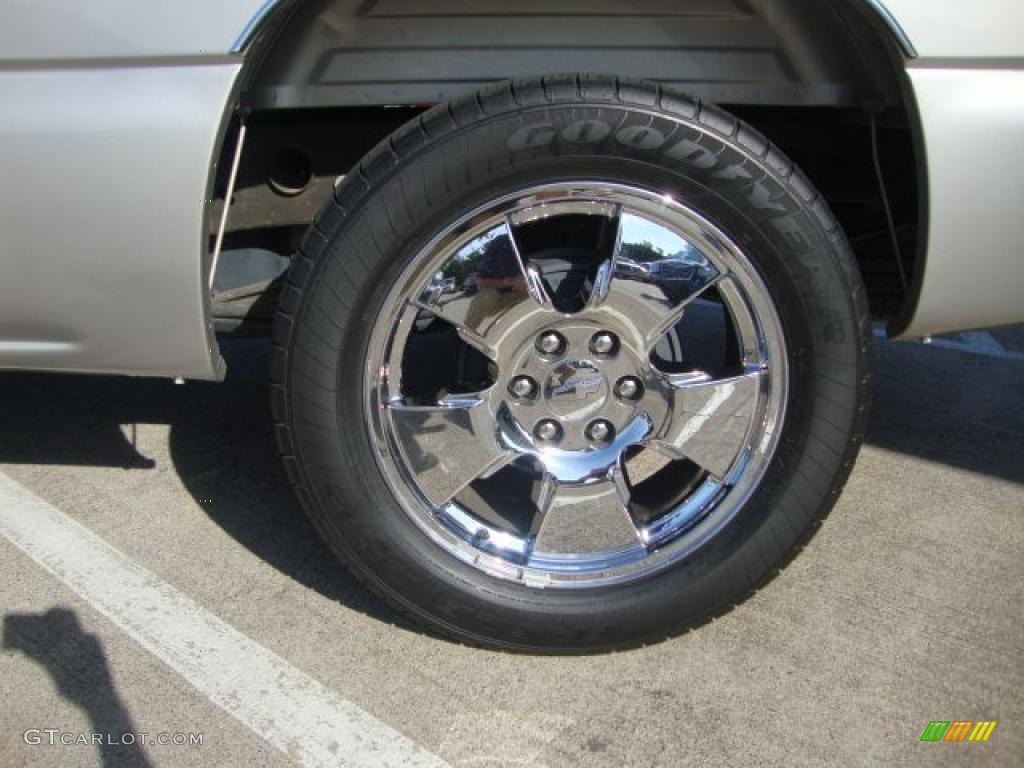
x,y
575,388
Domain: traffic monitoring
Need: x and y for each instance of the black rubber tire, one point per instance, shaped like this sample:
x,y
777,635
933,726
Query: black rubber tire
x,y
451,159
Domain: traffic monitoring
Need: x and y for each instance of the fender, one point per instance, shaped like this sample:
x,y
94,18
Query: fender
x,y
111,118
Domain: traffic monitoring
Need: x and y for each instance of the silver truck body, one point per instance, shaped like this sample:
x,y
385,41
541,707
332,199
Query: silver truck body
x,y
114,113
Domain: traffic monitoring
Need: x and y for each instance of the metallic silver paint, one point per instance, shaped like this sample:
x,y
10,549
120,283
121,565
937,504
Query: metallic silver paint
x,y
973,125
968,85
959,29
112,115
103,266
103,177
55,30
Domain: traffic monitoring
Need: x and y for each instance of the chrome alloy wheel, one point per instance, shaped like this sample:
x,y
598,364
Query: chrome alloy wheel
x,y
633,387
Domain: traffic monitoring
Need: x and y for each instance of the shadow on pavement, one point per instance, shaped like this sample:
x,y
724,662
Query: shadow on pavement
x,y
951,408
78,665
221,444
943,406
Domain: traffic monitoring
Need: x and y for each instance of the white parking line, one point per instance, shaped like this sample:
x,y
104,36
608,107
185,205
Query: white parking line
x,y
289,709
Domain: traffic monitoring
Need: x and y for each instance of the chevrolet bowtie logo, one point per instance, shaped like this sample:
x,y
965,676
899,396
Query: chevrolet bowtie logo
x,y
583,387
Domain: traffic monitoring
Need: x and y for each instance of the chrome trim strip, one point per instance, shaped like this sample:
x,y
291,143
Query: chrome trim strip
x,y
894,26
249,32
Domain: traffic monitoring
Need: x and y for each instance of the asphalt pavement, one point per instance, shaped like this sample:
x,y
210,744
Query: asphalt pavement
x,y
157,576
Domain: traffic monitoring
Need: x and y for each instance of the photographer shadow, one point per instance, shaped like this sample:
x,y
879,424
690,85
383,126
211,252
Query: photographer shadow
x,y
78,665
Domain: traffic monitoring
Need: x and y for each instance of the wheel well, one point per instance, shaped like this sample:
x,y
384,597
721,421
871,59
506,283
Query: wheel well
x,y
327,80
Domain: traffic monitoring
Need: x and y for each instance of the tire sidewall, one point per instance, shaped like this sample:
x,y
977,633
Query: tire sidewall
x,y
797,257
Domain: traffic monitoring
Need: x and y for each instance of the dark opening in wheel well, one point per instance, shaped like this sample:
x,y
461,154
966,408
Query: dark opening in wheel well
x,y
328,80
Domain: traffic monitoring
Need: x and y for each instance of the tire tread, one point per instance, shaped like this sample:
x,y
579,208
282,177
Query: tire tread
x,y
416,137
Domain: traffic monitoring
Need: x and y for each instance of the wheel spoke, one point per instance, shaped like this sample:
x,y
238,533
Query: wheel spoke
x,y
579,519
675,311
711,418
494,293
606,269
449,445
649,289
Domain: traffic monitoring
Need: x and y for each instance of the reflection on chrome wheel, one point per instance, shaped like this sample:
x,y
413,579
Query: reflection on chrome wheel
x,y
622,342
571,363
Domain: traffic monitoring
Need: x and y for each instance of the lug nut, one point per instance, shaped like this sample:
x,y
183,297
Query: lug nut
x,y
599,431
628,388
522,387
603,343
550,343
548,431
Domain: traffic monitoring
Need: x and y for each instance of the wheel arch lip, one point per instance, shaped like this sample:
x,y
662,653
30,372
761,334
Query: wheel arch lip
x,y
892,24
261,21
